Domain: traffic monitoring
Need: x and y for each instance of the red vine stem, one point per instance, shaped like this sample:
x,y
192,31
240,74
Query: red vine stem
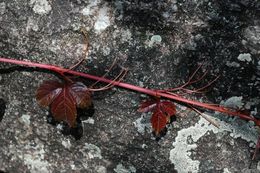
x,y
132,87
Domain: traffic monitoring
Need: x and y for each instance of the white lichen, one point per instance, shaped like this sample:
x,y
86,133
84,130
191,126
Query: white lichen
x,y
99,14
144,146
155,39
126,35
244,57
234,102
66,143
73,167
35,159
142,125
32,25
258,166
40,6
59,127
120,168
103,20
101,169
90,8
180,154
225,170
232,64
2,8
93,151
106,51
89,121
25,119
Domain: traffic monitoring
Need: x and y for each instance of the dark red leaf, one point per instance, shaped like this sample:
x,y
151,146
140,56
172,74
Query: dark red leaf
x,y
63,107
64,99
162,113
168,108
147,106
48,91
81,95
159,121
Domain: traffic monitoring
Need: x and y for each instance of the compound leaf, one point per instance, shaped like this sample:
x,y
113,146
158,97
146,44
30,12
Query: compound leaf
x,y
81,95
64,99
147,106
162,113
63,107
168,108
48,91
158,121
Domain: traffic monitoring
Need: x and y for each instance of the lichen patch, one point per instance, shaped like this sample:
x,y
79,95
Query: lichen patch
x,y
25,119
34,159
142,125
120,168
93,151
66,143
245,57
180,154
2,8
40,6
101,13
91,8
235,102
103,20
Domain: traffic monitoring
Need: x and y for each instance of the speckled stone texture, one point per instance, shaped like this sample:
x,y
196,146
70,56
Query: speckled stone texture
x,y
161,43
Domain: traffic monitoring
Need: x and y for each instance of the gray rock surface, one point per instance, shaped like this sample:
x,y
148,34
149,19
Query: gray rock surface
x,y
161,43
